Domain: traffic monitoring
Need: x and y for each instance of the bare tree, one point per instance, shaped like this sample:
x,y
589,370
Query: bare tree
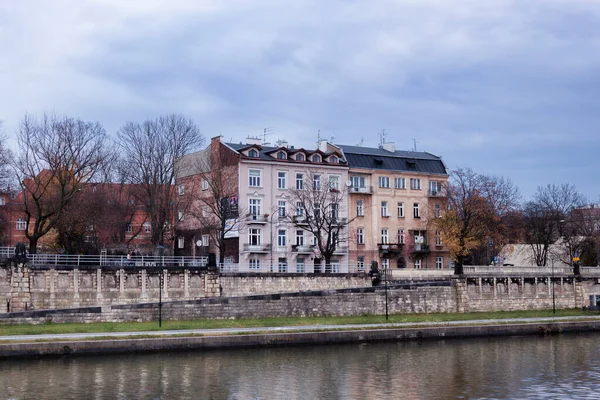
x,y
57,157
547,217
150,150
476,207
318,208
211,198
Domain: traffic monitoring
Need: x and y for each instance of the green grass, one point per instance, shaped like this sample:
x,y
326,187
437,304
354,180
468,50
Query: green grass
x,y
271,322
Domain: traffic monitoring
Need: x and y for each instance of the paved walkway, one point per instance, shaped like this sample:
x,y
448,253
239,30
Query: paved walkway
x,y
278,329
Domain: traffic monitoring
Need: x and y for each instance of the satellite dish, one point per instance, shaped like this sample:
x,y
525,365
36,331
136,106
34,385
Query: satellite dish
x,y
348,183
199,243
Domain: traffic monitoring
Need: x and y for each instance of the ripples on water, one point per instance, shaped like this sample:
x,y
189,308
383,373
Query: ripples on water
x,y
563,367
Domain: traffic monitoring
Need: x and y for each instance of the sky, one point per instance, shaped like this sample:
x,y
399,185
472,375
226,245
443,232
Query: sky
x,y
507,88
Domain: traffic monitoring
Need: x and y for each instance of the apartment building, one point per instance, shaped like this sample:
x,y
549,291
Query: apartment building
x,y
393,196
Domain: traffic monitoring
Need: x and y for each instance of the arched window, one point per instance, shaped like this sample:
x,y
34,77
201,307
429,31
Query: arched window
x,y
316,158
281,155
253,153
299,157
333,159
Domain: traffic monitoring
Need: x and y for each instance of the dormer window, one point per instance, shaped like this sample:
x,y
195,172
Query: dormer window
x,y
253,153
299,157
316,158
333,159
281,155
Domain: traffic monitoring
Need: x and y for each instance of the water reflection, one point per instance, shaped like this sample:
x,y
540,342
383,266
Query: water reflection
x,y
526,367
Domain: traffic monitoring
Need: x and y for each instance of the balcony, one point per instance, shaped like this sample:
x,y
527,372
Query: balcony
x,y
421,249
436,193
339,221
390,249
256,248
361,190
300,219
302,249
257,218
341,250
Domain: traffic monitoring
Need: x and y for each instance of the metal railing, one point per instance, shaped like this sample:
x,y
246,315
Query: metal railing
x,y
293,269
78,260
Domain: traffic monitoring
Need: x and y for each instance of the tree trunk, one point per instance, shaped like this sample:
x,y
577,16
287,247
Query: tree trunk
x,y
33,245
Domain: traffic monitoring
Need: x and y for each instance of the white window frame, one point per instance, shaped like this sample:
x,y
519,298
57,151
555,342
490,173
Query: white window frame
x,y
129,228
399,183
385,237
281,179
385,263
417,264
400,209
360,209
254,206
180,215
253,153
21,224
438,238
317,182
416,210
415,184
437,210
254,264
401,239
147,227
254,233
281,208
299,181
384,182
181,189
205,240
254,176
358,181
204,184
299,209
360,236
180,242
384,209
439,262
281,238
299,237
334,182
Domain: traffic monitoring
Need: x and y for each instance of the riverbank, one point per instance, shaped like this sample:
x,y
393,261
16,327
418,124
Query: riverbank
x,y
207,339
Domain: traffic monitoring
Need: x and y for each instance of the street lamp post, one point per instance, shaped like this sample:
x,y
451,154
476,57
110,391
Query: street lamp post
x,y
386,293
553,296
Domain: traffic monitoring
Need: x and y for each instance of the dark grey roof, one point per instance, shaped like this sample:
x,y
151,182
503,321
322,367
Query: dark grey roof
x,y
265,152
375,158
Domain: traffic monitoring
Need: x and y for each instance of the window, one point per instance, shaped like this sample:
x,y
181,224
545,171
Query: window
x,y
400,210
205,211
281,238
384,209
299,157
435,188
316,158
384,182
299,181
180,215
417,264
333,160
299,208
317,210
415,184
317,182
204,184
358,181
281,208
335,211
437,212
401,236
385,263
94,188
282,264
254,263
205,240
254,206
416,210
254,235
281,180
334,182
300,265
129,228
253,153
399,183
147,227
439,262
281,155
360,208
438,238
360,236
384,236
299,238
181,190
254,177
360,263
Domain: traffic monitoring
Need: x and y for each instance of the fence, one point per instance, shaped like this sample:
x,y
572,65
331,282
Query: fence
x,y
78,260
296,269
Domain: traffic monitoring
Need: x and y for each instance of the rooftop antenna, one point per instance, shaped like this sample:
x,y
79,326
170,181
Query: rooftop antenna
x,y
382,138
331,139
266,132
414,144
360,144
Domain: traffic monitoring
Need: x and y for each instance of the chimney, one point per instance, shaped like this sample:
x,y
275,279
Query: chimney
x,y
390,146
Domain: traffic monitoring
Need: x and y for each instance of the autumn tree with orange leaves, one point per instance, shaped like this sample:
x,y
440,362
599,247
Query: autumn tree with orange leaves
x,y
474,218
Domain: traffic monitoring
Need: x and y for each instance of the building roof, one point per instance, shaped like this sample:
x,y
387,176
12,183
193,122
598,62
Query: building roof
x,y
265,153
378,158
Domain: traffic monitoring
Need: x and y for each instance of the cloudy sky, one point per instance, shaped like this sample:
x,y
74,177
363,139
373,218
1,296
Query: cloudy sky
x,y
505,87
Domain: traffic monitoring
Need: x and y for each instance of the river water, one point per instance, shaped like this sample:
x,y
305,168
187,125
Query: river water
x,y
559,367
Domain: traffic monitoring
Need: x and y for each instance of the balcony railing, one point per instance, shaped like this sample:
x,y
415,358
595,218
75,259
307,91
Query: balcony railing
x,y
302,249
436,193
390,248
91,261
362,190
257,218
257,248
300,219
341,250
421,248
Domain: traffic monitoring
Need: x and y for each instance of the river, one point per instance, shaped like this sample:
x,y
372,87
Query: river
x,y
555,367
